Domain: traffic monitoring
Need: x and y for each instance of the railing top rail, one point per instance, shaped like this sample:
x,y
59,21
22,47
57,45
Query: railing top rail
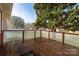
x,y
62,32
68,33
40,30
18,30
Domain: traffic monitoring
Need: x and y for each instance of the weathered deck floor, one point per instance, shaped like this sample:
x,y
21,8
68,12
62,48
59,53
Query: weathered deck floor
x,y
53,48
43,47
16,48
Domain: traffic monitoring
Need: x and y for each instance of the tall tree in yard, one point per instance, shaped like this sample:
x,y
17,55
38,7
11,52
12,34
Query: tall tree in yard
x,y
52,16
17,22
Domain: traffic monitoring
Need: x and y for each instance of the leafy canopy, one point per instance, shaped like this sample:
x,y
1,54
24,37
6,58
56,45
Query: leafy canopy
x,y
56,15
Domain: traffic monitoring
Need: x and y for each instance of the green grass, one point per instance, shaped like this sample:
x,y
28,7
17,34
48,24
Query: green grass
x,y
72,42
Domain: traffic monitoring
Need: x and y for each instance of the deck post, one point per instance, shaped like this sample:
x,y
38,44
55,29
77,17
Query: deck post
x,y
48,34
1,20
63,38
1,38
40,34
23,36
1,31
34,34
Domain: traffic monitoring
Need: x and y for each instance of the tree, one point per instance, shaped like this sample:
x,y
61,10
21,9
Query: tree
x,y
72,22
17,22
56,15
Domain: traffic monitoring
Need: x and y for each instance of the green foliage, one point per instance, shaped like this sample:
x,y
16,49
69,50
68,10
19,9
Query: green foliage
x,y
17,22
56,15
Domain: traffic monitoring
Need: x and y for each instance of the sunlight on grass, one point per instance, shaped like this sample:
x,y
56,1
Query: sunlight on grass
x,y
72,40
56,36
28,35
12,35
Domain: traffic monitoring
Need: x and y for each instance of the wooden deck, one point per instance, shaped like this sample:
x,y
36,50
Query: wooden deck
x,y
49,47
16,48
41,47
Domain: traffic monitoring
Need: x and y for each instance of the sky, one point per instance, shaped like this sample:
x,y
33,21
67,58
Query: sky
x,y
25,11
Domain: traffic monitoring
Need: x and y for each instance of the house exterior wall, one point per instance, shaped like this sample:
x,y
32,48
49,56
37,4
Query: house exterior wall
x,y
6,9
